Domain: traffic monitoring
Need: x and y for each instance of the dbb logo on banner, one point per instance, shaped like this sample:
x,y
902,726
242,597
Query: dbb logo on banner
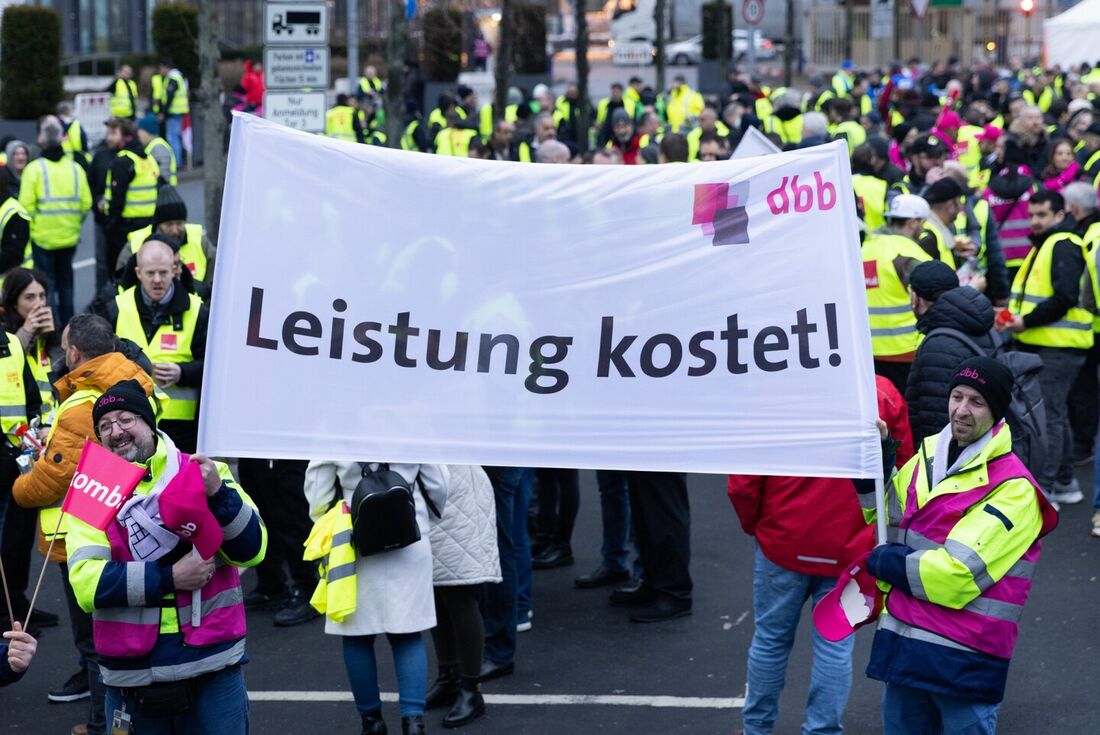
x,y
101,484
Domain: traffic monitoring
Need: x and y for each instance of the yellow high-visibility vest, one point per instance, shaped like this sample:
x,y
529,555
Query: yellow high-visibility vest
x,y
340,123
56,195
893,323
454,142
180,104
871,191
1033,285
191,254
169,344
141,195
123,98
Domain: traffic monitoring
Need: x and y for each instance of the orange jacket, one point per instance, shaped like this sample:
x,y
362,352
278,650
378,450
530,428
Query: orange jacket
x,y
49,478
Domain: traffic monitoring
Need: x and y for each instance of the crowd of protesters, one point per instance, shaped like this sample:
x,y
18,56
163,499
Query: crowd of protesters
x,y
977,191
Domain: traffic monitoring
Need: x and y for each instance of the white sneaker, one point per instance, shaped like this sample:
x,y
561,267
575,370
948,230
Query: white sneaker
x,y
1068,494
1096,524
525,625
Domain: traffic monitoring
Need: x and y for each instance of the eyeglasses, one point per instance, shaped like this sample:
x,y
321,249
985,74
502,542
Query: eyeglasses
x,y
124,422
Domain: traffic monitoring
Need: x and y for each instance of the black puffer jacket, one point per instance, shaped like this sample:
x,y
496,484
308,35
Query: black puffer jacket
x,y
937,358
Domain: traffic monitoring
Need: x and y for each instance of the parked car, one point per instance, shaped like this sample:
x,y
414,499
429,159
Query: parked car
x,y
690,51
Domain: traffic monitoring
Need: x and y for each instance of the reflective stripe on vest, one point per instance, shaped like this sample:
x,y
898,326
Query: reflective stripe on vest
x,y
58,213
1033,285
57,197
39,361
129,632
168,345
990,622
13,399
893,324
141,194
335,595
130,678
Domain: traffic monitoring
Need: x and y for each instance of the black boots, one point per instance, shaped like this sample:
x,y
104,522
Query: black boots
x,y
412,725
444,689
468,706
373,724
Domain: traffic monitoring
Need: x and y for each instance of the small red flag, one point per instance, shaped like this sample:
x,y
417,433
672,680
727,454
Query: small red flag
x,y
101,484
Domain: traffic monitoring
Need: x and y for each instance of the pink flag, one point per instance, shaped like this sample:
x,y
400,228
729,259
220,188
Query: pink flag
x,y
101,484
184,511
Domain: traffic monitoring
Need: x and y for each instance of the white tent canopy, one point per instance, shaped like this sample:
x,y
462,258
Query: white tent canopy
x,y
1071,38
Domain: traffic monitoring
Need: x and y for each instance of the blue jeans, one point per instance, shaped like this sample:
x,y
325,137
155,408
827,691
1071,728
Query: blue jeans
x,y
173,132
1096,478
501,602
221,708
615,514
778,598
57,266
409,660
908,711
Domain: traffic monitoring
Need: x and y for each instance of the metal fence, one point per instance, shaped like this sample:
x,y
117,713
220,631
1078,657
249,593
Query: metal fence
x,y
968,34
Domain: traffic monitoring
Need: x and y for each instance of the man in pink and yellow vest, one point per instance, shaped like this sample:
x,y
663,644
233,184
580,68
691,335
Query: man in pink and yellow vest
x,y
136,580
971,517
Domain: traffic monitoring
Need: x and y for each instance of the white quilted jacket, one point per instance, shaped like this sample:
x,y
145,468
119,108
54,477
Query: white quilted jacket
x,y
464,541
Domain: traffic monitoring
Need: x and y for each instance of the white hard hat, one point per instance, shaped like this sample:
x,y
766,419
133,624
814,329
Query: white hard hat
x,y
908,206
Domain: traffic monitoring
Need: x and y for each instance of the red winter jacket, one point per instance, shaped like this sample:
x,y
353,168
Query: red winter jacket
x,y
813,525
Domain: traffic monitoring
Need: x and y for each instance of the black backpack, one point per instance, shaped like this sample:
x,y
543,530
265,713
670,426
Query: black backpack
x,y
1026,415
383,511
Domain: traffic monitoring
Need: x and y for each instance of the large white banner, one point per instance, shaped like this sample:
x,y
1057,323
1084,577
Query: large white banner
x,y
378,304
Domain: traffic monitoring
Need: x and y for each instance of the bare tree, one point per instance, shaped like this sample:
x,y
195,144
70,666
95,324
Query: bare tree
x,y
789,46
581,48
503,69
660,12
395,73
725,38
213,118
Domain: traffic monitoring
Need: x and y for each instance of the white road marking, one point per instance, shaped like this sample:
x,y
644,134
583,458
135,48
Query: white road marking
x,y
526,699
86,263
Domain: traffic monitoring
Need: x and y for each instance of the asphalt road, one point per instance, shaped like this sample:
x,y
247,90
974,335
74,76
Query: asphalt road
x,y
580,646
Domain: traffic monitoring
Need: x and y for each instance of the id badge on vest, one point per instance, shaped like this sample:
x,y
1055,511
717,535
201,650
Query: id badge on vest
x,y
169,343
120,722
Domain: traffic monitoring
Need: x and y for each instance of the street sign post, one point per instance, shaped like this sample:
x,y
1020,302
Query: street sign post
x,y
296,23
296,67
298,110
882,20
296,63
753,12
